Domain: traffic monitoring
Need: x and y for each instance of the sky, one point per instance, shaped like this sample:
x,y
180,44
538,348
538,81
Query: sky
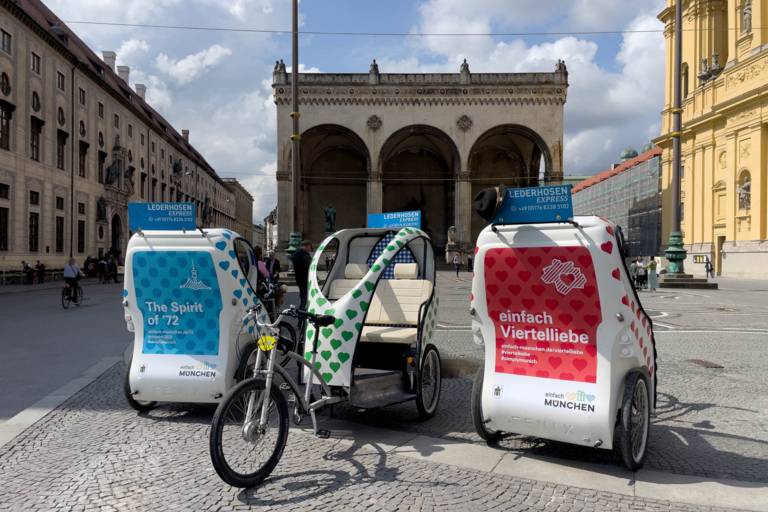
x,y
218,84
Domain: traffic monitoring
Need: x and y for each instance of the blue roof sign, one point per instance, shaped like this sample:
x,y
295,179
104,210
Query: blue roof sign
x,y
410,219
161,216
534,205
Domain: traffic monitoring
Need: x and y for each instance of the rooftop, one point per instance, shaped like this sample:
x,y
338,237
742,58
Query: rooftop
x,y
623,166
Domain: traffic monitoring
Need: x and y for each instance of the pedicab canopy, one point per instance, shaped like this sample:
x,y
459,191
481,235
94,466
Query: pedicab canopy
x,y
561,324
368,310
185,295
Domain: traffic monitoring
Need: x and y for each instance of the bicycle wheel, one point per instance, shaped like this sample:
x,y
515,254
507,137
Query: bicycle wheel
x,y
242,454
65,298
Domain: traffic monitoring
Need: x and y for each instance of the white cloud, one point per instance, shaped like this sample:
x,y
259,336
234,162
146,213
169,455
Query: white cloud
x,y
159,95
192,66
131,50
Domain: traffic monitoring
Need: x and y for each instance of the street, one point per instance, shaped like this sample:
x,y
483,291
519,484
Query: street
x,y
711,423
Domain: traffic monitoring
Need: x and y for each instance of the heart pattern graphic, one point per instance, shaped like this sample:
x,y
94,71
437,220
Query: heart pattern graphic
x,y
547,342
336,343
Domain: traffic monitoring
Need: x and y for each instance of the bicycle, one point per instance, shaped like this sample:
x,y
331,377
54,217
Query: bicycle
x,y
255,412
68,298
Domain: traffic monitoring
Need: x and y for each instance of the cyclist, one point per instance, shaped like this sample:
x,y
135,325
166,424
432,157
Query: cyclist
x,y
72,275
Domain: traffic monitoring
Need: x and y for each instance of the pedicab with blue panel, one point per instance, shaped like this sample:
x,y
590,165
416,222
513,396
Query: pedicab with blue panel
x,y
569,350
369,325
189,298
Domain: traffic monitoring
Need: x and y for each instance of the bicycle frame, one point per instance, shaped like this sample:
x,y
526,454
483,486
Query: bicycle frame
x,y
302,400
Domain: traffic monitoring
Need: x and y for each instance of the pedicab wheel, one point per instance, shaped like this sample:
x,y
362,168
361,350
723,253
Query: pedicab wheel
x,y
138,405
243,454
631,433
488,435
429,383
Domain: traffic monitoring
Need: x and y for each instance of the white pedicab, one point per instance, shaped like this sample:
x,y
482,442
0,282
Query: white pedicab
x,y
186,294
569,351
369,326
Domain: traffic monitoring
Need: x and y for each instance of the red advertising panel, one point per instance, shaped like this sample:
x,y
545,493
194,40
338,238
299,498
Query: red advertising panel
x,y
546,310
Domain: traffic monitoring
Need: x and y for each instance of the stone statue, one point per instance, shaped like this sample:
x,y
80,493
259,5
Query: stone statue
x,y
277,67
452,235
374,67
745,194
101,209
128,181
113,173
330,218
560,66
464,67
746,16
281,67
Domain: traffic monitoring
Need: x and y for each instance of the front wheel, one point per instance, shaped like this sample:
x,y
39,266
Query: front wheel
x,y
429,383
66,297
481,425
243,452
631,432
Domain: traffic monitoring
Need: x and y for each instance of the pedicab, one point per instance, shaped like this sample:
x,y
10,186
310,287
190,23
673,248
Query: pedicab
x,y
569,350
368,342
186,293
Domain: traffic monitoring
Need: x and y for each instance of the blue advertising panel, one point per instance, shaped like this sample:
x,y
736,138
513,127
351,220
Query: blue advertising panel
x,y
178,295
161,216
410,219
535,204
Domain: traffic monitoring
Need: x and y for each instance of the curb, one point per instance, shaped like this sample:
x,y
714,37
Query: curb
x,y
17,424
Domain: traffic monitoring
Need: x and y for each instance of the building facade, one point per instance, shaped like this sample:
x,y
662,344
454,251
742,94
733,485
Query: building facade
x,y
724,134
628,194
271,230
374,142
77,144
243,208
259,237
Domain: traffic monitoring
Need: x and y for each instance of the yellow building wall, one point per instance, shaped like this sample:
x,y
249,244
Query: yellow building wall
x,y
724,135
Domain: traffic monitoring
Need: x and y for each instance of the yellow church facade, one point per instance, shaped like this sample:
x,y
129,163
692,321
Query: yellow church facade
x,y
724,136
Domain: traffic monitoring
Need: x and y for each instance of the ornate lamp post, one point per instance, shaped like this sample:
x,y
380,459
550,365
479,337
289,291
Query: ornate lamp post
x,y
675,252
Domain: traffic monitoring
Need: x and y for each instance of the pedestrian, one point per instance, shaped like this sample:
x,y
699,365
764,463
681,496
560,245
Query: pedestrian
x,y
469,264
113,267
101,269
641,274
708,268
40,271
633,272
301,261
457,264
28,272
651,272
273,265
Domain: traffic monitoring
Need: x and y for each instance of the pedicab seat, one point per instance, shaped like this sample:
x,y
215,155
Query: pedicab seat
x,y
393,315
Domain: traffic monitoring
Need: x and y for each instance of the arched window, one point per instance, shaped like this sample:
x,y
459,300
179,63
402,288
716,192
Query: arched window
x,y
684,79
744,190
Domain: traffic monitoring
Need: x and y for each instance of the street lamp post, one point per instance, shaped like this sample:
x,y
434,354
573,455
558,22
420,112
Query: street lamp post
x,y
675,252
295,237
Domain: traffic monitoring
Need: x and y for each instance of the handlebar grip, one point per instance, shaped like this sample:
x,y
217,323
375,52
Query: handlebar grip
x,y
324,320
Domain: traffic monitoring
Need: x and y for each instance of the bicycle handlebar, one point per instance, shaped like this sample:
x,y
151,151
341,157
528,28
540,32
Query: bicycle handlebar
x,y
317,320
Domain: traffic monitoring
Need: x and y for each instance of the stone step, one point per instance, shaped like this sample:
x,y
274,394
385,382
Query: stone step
x,y
698,283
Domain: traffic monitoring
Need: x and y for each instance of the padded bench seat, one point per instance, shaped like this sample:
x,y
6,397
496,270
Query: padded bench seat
x,y
389,334
393,315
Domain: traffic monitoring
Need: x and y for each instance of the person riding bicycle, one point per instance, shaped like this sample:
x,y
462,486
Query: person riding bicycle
x,y
72,275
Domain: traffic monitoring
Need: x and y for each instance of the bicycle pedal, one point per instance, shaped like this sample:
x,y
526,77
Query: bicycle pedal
x,y
323,433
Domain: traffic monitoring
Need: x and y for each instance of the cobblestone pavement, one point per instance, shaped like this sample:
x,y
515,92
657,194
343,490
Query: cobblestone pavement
x,y
710,422
94,453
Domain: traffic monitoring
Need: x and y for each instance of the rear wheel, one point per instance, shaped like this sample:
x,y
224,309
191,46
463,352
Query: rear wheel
x,y
66,297
139,405
243,453
429,383
631,432
481,425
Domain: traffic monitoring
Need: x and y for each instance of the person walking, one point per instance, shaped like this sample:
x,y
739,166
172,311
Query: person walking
x,y
641,275
301,261
652,276
457,265
633,272
708,268
40,271
28,271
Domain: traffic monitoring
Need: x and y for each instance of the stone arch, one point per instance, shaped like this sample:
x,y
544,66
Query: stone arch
x,y
335,164
510,154
418,166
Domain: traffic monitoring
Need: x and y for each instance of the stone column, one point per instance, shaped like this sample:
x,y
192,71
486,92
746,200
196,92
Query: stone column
x,y
374,196
463,210
284,209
